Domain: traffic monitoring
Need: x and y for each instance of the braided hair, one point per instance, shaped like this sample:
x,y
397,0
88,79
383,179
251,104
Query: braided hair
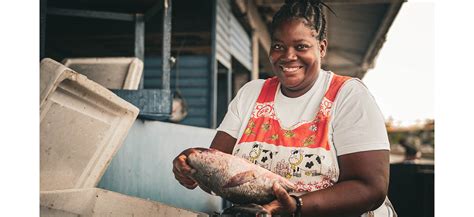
x,y
310,11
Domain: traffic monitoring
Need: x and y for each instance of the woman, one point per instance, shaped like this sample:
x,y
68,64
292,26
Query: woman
x,y
323,132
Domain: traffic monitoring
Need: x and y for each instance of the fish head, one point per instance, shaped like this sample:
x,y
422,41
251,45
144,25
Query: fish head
x,y
207,160
203,154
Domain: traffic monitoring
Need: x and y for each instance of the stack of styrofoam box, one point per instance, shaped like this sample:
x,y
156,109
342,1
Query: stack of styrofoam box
x,y
82,125
110,72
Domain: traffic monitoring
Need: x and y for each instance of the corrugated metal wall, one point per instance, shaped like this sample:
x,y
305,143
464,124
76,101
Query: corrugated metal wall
x,y
193,83
231,38
194,72
223,33
240,46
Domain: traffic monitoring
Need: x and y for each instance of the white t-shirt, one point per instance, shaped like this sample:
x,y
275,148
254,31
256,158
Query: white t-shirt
x,y
356,122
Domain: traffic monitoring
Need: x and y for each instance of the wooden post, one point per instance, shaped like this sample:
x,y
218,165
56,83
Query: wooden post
x,y
139,48
255,56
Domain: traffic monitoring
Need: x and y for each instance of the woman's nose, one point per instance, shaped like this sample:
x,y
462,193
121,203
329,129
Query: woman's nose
x,y
289,54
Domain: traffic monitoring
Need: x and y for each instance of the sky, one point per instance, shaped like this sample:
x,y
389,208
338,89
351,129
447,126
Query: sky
x,y
402,80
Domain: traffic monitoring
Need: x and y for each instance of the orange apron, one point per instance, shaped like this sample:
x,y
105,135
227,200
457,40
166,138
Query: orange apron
x,y
302,153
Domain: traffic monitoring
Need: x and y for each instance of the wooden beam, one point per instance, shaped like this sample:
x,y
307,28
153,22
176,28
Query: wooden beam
x,y
213,70
166,45
139,45
139,39
91,14
278,3
43,11
255,57
193,49
346,2
249,8
270,3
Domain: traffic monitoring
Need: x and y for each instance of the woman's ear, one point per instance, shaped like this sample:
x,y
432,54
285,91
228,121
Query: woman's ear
x,y
323,45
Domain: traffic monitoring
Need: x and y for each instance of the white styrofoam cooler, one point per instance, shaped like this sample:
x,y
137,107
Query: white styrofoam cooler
x,y
82,125
98,202
110,72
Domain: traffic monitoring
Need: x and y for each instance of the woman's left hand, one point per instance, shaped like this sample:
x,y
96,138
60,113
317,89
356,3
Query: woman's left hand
x,y
284,204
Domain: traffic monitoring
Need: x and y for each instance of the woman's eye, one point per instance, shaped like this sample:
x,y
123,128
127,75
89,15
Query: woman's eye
x,y
302,47
277,47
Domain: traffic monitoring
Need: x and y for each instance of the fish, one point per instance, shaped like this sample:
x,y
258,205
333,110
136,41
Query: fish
x,y
234,178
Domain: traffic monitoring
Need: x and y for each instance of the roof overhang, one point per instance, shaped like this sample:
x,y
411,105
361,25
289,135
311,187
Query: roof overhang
x,y
355,35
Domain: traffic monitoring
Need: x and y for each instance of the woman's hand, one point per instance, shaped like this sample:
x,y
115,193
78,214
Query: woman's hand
x,y
284,204
182,171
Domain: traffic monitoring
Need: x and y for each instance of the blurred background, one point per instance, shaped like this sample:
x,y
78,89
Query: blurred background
x,y
402,82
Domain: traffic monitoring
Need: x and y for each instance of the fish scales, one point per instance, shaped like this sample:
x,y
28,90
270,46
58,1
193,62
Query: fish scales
x,y
234,178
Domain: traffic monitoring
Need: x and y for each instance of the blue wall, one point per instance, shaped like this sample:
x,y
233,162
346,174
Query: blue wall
x,y
193,73
142,167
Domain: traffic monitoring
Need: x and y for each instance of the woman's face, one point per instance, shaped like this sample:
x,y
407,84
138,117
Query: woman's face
x,y
295,55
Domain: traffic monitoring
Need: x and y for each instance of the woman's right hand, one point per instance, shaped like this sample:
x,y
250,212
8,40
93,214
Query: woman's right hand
x,y
182,171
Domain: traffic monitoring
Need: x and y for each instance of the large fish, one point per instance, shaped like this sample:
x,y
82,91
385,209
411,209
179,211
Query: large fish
x,y
234,178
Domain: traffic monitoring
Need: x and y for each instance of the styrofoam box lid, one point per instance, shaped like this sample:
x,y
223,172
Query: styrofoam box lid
x,y
100,202
82,125
110,72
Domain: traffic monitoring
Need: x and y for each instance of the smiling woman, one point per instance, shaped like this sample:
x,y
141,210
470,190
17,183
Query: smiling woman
x,y
296,56
321,131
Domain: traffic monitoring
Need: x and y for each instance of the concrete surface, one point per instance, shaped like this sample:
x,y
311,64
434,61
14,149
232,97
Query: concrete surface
x,y
110,72
82,125
93,202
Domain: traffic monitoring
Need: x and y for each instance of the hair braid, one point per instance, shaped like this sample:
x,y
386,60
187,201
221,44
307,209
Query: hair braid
x,y
310,11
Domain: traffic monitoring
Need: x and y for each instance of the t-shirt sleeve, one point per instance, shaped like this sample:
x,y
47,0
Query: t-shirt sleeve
x,y
358,123
232,120
238,108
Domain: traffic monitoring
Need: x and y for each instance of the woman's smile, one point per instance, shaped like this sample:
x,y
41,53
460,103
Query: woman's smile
x,y
288,70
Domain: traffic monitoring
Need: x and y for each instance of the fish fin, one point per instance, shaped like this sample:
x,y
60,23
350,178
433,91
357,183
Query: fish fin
x,y
240,179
